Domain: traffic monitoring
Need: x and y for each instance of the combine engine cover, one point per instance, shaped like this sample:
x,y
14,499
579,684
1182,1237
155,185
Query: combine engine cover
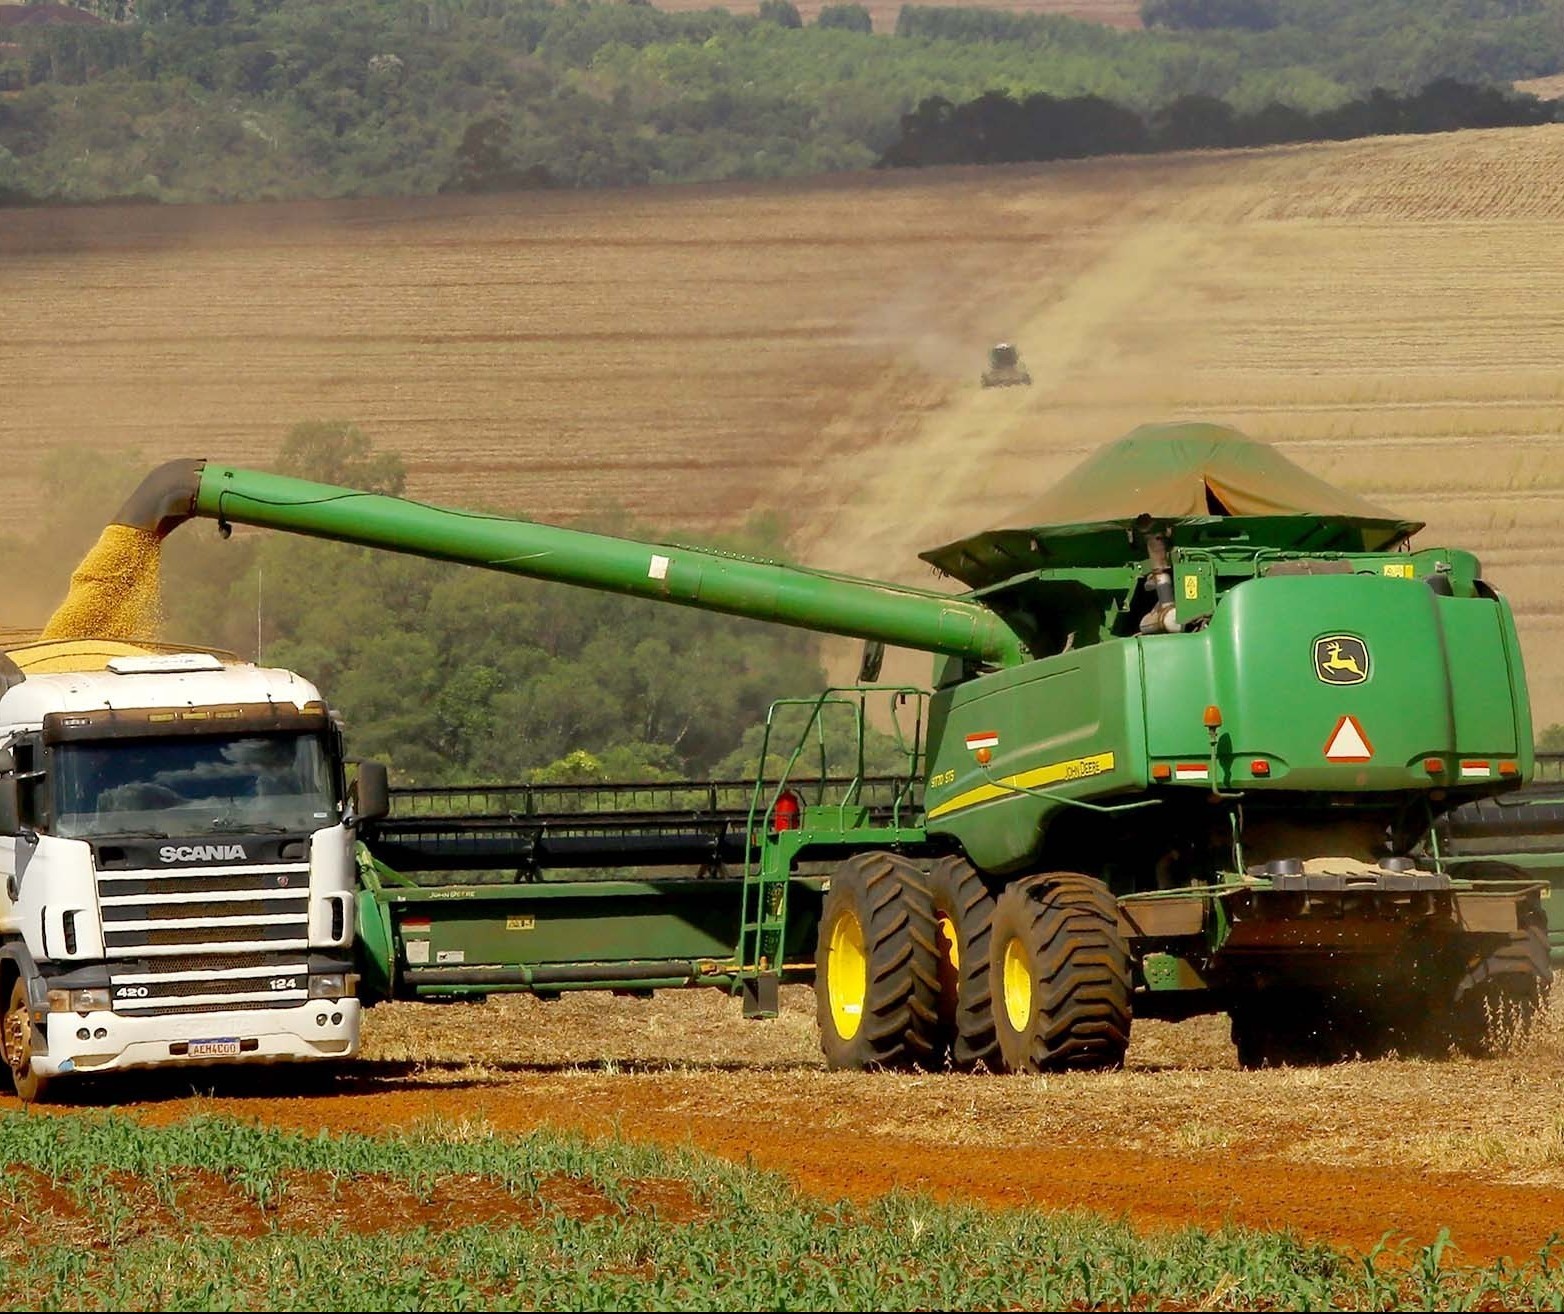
x,y
1339,683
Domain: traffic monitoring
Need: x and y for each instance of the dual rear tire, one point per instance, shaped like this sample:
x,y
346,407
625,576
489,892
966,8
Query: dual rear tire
x,y
920,970
1061,975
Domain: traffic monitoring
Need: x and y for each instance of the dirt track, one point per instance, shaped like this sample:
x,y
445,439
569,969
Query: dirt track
x,y
1344,1155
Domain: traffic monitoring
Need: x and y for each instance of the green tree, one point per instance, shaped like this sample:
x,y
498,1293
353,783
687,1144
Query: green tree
x,y
336,452
784,13
846,17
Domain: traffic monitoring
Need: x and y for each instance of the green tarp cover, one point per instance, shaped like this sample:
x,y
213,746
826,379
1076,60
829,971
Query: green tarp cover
x,y
1201,474
1193,470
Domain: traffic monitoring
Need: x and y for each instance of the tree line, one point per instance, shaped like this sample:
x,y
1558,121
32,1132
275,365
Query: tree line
x,y
218,100
997,128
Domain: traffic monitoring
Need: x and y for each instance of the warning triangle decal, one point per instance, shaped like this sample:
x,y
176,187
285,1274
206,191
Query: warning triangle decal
x,y
1348,743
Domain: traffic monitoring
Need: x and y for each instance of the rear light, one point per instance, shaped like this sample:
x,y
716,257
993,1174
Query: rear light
x,y
1260,767
787,813
1161,771
1433,766
1509,768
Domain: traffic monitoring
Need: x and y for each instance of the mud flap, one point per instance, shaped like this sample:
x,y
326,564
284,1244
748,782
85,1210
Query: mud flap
x,y
761,995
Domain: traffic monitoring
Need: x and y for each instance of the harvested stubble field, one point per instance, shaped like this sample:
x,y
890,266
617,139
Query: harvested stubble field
x,y
1387,311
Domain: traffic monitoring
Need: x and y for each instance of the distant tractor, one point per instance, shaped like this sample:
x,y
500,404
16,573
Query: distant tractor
x,y
1004,368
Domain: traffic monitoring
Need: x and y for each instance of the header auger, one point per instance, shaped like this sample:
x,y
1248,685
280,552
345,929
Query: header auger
x,y
1188,739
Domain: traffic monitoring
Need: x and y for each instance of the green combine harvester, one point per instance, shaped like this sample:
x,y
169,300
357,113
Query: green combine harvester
x,y
1190,741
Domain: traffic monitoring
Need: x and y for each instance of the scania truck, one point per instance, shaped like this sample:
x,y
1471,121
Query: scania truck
x,y
176,864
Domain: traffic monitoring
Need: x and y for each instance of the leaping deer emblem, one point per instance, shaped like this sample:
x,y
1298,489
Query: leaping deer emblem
x,y
1336,662
1336,666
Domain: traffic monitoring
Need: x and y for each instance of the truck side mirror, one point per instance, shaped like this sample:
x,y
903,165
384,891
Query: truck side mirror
x,y
371,792
873,659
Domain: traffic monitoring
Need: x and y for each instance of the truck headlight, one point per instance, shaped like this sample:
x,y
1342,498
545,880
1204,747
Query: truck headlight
x,y
79,1001
332,985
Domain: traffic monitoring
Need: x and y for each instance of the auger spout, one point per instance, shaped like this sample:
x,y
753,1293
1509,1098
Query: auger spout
x,y
712,581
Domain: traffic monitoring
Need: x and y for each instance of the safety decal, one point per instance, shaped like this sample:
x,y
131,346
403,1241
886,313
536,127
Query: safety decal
x,y
1348,743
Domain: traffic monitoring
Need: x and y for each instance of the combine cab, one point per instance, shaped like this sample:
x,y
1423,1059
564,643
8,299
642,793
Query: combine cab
x,y
1004,368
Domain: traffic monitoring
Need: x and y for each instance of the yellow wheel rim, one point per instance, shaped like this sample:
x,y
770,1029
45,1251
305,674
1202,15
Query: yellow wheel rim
x,y
1018,986
949,964
846,975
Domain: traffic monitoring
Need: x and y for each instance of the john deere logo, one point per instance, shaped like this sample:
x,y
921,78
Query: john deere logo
x,y
1341,659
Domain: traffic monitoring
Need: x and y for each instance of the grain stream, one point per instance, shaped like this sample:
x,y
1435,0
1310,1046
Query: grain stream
x,y
114,592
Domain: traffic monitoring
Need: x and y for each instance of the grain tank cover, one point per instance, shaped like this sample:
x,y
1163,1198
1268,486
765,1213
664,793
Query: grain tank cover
x,y
1201,477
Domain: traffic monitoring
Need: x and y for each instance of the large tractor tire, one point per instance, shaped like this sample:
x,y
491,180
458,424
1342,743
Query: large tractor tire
x,y
964,922
1500,994
1059,971
877,968
18,1038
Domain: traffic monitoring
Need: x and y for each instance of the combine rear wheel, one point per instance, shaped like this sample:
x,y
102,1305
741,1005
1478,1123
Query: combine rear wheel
x,y
1499,996
1059,972
964,919
877,967
18,1038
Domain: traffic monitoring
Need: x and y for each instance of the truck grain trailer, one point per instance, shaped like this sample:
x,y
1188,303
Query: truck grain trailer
x,y
1188,742
177,866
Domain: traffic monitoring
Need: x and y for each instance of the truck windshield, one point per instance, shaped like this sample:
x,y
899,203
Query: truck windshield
x,y
191,785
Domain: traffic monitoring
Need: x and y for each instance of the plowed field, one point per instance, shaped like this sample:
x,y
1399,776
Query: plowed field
x,y
1388,312
1346,1154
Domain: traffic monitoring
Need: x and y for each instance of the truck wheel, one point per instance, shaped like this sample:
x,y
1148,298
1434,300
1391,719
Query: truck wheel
x,y
17,1037
964,922
1501,993
1059,973
876,967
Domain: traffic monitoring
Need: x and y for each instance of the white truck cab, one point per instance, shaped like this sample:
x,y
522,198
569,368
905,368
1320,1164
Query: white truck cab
x,y
176,864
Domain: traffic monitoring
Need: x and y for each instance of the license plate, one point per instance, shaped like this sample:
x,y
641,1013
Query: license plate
x,y
227,1048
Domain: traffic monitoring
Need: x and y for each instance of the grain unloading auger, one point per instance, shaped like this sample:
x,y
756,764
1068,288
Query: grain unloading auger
x,y
1187,742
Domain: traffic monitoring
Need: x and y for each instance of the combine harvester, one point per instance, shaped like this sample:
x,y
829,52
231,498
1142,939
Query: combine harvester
x,y
1188,749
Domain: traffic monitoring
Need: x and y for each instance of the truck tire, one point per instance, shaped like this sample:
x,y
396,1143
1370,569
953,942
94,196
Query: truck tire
x,y
877,968
1059,974
17,1038
964,919
1499,996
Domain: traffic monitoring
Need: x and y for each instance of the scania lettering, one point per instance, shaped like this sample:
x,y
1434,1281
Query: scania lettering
x,y
203,853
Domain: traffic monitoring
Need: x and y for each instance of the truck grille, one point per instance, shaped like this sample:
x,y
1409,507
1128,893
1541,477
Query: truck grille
x,y
206,937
